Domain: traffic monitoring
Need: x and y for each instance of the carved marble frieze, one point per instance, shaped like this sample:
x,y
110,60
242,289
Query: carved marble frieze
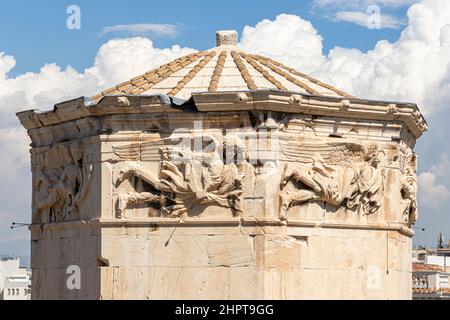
x,y
342,174
182,178
62,181
171,179
271,169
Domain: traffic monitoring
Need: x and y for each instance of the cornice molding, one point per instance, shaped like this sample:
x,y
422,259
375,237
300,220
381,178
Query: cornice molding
x,y
266,100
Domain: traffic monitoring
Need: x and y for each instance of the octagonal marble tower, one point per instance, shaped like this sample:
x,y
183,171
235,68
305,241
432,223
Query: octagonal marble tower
x,y
223,175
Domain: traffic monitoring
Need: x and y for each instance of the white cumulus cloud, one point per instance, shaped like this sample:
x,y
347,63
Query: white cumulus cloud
x,y
433,184
121,59
431,193
415,68
7,63
288,39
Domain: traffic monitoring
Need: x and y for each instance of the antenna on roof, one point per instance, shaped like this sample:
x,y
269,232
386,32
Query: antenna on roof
x,y
440,242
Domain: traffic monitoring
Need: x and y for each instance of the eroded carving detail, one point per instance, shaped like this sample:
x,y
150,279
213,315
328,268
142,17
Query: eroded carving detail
x,y
144,186
409,189
344,174
186,178
62,182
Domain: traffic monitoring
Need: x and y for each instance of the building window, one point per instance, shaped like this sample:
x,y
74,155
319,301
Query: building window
x,y
17,291
9,292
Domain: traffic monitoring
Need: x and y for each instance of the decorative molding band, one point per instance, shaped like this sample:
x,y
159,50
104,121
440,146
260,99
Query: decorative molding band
x,y
265,100
270,100
232,222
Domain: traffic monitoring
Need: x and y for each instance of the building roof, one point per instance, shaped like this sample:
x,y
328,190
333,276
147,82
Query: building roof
x,y
431,290
422,267
221,69
225,79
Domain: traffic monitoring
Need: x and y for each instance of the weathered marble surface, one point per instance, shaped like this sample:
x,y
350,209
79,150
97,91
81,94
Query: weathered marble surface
x,y
251,196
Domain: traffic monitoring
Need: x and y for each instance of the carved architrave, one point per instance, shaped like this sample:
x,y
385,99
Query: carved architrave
x,y
184,178
341,174
62,183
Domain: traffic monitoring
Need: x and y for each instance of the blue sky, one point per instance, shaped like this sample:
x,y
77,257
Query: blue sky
x,y
411,62
34,32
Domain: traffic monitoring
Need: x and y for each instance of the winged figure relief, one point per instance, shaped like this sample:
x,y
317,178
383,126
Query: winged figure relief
x,y
330,152
345,174
141,151
186,176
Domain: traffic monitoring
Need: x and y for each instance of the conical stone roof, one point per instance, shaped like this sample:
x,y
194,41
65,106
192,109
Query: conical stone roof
x,y
224,68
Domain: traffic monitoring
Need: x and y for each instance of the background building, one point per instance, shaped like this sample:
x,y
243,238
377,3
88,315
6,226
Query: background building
x,y
431,271
15,281
439,256
430,282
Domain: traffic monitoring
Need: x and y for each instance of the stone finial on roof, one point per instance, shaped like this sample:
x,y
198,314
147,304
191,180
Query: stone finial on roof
x,y
226,37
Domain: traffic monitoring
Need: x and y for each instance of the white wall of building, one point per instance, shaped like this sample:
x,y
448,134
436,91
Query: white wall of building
x,y
14,281
438,280
438,260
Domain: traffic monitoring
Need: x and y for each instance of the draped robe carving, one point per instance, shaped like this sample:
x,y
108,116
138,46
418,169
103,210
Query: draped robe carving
x,y
185,177
409,189
62,182
350,176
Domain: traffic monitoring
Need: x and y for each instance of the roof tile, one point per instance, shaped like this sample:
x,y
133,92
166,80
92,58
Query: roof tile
x,y
239,72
